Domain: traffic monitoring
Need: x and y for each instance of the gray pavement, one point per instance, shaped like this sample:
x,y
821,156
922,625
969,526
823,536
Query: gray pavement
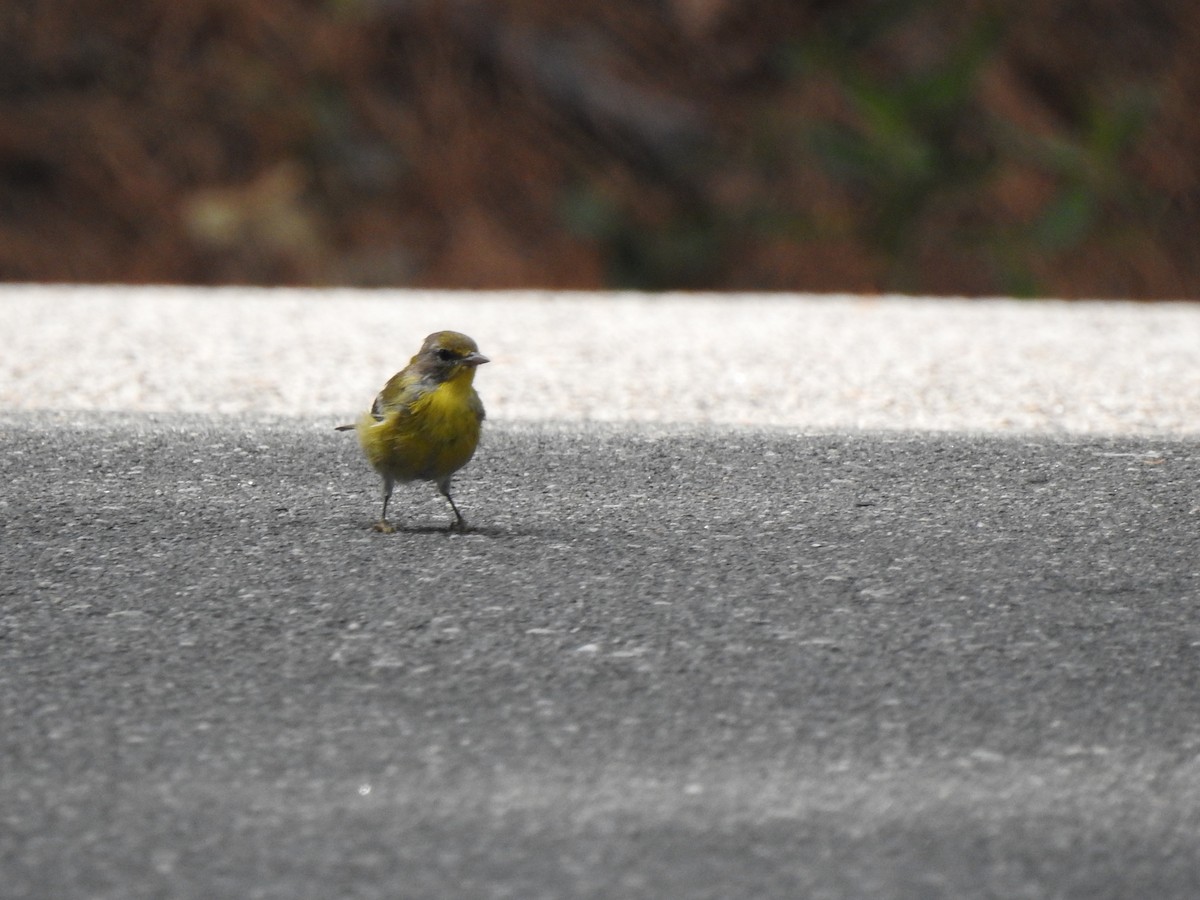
x,y
670,661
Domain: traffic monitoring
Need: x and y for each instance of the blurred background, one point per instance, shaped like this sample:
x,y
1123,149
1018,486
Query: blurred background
x,y
1041,148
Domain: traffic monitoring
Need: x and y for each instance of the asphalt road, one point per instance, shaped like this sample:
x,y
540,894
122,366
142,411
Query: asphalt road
x,y
665,663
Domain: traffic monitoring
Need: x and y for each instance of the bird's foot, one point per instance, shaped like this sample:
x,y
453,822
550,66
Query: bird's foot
x,y
383,526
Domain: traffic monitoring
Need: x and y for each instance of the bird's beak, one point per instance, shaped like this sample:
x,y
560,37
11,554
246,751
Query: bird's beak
x,y
474,358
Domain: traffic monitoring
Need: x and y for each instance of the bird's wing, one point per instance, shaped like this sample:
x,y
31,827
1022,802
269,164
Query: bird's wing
x,y
377,407
399,394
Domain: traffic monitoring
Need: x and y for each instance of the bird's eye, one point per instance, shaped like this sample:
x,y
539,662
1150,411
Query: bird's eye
x,y
445,355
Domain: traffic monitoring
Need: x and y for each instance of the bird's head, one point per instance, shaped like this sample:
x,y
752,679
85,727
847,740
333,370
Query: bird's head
x,y
449,354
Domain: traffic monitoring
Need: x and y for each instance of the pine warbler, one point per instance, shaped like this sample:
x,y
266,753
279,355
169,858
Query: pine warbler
x,y
424,425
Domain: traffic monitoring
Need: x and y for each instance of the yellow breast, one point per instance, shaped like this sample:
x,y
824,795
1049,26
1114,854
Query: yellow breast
x,y
431,439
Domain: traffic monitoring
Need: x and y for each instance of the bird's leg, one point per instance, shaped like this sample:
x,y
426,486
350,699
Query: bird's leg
x,y
460,522
383,525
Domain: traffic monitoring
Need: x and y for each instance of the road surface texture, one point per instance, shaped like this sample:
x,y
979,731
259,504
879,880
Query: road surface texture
x,y
684,658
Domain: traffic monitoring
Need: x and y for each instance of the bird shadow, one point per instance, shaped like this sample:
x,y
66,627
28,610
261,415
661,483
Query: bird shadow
x,y
485,531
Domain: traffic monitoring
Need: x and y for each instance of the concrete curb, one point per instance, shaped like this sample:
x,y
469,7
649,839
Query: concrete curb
x,y
811,362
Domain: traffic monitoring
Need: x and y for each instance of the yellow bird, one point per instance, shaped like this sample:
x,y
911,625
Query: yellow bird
x,y
425,423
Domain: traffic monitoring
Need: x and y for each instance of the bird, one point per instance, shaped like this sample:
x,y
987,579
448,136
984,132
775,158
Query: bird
x,y
425,423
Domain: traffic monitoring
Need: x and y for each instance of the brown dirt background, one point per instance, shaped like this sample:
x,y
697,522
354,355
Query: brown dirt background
x,y
1047,148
